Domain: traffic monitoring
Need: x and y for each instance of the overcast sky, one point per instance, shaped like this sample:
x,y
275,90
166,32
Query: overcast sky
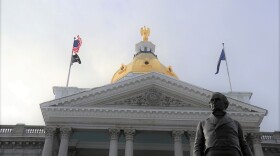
x,y
37,37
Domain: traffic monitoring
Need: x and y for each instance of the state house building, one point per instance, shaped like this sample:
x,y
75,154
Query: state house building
x,y
146,110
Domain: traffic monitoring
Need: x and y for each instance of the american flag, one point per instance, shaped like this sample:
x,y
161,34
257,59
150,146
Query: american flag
x,y
77,44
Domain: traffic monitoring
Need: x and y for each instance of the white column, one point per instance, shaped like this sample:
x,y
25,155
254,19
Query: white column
x,y
257,147
65,133
191,137
48,145
177,136
114,133
129,133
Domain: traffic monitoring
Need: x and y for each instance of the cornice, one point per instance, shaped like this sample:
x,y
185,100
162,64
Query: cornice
x,y
146,114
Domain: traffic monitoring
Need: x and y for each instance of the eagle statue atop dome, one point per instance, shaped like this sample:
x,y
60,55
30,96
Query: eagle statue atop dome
x,y
145,33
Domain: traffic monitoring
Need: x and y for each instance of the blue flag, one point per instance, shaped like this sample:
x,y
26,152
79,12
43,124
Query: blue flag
x,y
222,57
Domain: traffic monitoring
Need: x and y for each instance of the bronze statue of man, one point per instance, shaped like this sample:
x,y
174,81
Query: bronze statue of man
x,y
220,135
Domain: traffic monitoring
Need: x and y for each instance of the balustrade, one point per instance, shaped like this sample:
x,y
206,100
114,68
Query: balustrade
x,y
6,130
34,131
22,130
270,137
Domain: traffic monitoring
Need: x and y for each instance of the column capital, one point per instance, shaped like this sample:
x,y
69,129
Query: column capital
x,y
246,134
65,132
129,133
177,135
191,135
255,137
114,133
50,131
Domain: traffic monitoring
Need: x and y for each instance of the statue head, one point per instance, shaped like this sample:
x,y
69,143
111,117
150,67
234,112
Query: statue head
x,y
218,102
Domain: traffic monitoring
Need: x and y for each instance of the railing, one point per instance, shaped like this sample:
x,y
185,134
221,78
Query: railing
x,y
6,130
22,130
267,136
270,137
34,131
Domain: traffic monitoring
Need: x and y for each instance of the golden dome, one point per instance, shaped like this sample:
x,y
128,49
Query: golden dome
x,y
144,61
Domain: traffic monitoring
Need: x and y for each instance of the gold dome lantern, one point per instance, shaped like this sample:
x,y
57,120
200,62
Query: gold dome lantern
x,y
144,61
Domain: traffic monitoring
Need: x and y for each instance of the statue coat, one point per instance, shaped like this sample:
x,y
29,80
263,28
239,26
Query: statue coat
x,y
220,133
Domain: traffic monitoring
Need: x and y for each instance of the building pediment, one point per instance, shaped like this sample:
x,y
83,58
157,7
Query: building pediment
x,y
149,90
147,98
154,97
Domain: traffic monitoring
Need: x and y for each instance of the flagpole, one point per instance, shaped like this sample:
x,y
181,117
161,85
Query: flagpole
x,y
69,69
227,68
74,58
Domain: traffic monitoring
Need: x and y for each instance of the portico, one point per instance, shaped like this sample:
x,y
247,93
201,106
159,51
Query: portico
x,y
110,120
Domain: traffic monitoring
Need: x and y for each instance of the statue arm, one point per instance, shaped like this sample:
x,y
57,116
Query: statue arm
x,y
199,144
245,149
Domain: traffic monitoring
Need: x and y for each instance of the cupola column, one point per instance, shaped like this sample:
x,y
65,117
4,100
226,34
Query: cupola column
x,y
48,145
177,136
114,133
129,134
65,133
